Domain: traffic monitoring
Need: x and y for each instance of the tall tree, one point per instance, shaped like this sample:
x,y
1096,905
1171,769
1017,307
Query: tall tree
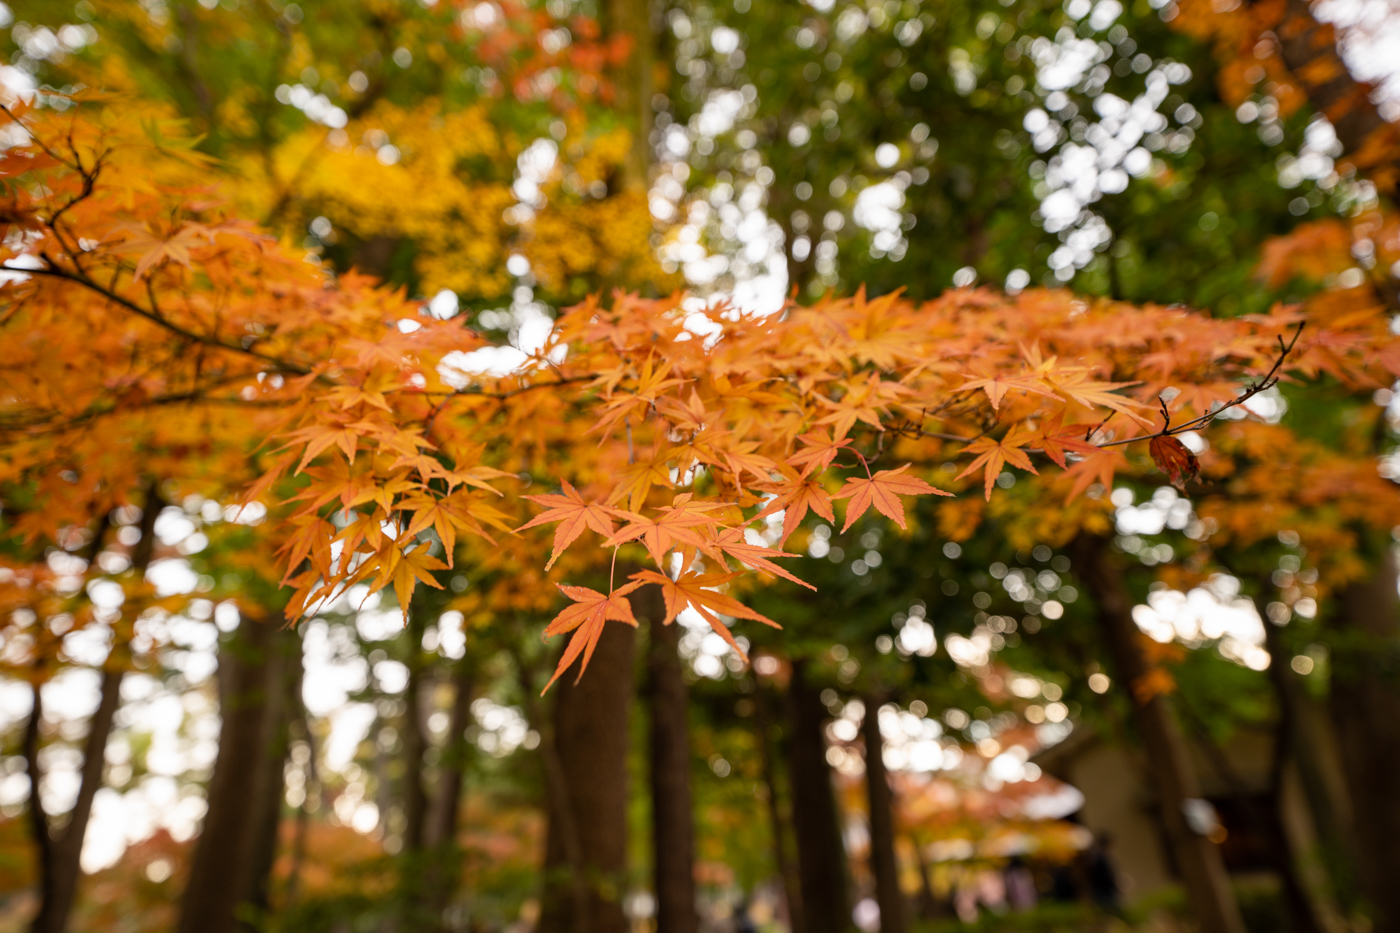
x,y
673,816
227,880
1176,783
821,851
884,865
60,849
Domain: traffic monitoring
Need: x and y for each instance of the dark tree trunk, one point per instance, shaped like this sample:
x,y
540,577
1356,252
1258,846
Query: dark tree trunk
x,y
231,847
60,850
1365,708
1197,858
792,889
1309,49
415,744
284,680
883,864
821,856
673,824
588,800
440,834
1305,743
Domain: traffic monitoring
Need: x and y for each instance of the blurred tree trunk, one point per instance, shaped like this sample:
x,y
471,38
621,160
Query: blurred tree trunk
x,y
283,705
633,80
60,849
884,866
792,891
673,822
440,834
1198,859
235,846
1311,749
415,741
1365,708
588,793
821,856
1309,49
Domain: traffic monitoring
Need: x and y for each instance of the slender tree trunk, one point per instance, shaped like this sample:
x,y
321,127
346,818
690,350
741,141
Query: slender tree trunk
x,y
60,850
673,824
1312,751
884,866
415,744
632,82
284,678
590,738
440,834
1365,708
1197,858
222,869
792,890
929,907
821,856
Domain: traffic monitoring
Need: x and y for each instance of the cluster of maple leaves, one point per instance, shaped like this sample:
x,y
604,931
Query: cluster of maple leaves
x,y
155,335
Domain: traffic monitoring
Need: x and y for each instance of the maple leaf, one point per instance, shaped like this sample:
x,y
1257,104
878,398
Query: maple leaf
x,y
1092,393
1097,467
819,451
698,591
651,382
637,480
586,618
1057,440
794,497
320,437
573,515
883,491
732,543
997,385
445,516
676,524
993,454
1174,459
404,569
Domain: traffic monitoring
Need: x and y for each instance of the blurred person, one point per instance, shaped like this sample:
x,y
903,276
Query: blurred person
x,y
1020,885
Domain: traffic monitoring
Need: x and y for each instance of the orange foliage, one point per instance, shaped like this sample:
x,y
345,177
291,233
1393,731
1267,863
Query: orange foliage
x,y
161,335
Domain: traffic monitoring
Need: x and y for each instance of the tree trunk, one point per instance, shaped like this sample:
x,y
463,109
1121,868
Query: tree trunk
x,y
792,890
1309,49
226,859
883,864
673,825
60,851
440,834
415,744
285,671
1197,858
591,723
632,82
1313,752
1365,708
821,856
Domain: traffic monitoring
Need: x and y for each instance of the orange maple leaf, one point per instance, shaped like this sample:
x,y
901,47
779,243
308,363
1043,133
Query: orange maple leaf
x,y
732,543
573,515
993,454
698,591
590,611
795,496
677,524
819,451
883,491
